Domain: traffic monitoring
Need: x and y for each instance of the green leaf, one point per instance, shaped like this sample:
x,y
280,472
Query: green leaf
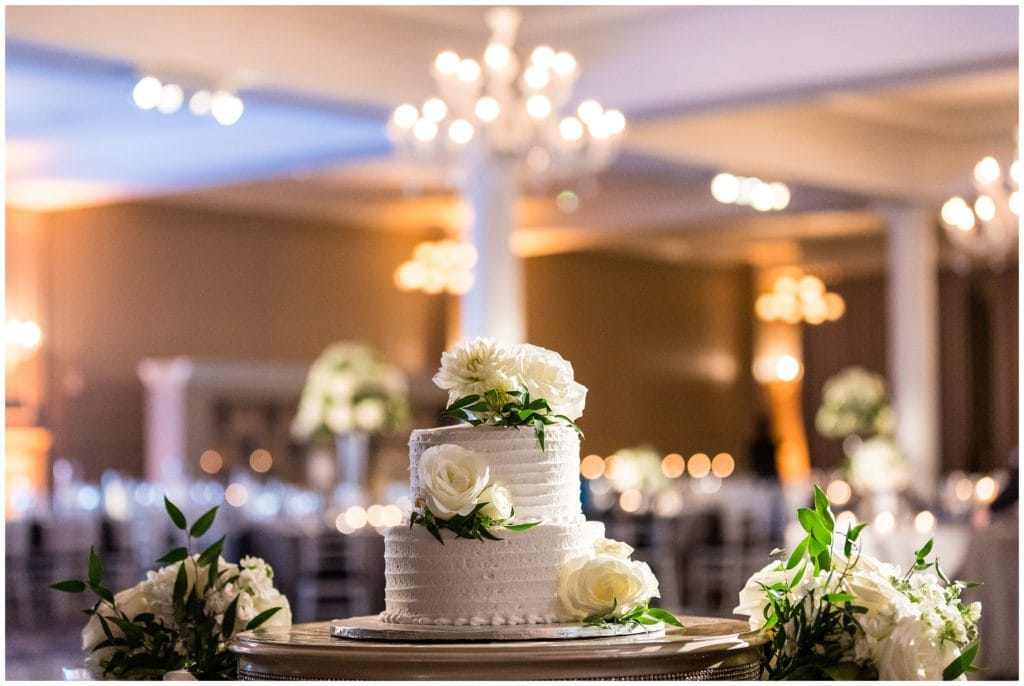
x,y
798,554
961,664
208,556
808,518
821,534
821,506
95,566
538,428
261,618
176,555
180,584
69,586
839,597
925,549
102,592
462,402
842,671
855,531
799,575
230,616
815,547
521,527
177,518
664,616
203,524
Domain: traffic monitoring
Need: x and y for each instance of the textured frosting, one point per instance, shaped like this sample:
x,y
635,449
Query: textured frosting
x,y
468,582
543,484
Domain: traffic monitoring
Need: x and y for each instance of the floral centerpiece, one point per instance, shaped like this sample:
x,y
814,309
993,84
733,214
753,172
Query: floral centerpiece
x,y
833,612
181,617
350,387
855,402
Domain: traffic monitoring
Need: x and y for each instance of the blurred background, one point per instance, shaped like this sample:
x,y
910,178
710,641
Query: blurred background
x,y
778,245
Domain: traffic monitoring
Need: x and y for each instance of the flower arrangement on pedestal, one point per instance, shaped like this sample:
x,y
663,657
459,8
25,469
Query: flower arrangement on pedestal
x,y
182,616
833,612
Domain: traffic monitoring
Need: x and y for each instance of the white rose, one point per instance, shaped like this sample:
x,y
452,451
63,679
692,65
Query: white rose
x,y
913,652
753,600
878,466
338,418
545,374
594,585
475,367
451,479
307,418
499,503
369,414
608,546
131,601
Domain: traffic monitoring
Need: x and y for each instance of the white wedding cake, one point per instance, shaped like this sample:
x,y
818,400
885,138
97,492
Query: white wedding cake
x,y
497,535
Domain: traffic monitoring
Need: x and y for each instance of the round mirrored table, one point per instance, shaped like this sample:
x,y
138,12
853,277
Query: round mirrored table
x,y
707,649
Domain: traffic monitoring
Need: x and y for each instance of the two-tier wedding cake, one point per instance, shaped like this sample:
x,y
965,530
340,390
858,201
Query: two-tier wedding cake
x,y
497,535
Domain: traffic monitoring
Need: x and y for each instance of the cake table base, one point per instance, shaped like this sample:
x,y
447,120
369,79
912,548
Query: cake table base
x,y
372,628
706,649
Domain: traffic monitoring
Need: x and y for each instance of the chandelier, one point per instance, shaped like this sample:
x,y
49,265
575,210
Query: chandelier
x,y
988,228
500,106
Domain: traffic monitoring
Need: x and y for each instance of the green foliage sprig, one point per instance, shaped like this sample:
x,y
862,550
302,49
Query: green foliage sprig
x,y
644,615
474,525
147,648
810,637
508,408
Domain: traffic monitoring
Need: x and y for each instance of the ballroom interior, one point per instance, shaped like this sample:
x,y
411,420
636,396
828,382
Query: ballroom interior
x,y
713,212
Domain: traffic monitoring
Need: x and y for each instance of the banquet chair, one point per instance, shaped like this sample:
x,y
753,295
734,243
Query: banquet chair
x,y
330,581
18,580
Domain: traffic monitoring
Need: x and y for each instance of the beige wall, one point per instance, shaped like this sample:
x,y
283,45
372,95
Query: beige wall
x,y
664,349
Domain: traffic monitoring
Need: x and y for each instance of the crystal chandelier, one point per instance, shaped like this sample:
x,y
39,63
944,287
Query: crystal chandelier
x,y
988,228
500,107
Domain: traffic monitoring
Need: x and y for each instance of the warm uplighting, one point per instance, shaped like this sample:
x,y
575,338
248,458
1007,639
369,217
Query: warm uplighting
x,y
22,339
924,522
730,189
699,465
673,466
630,500
592,467
722,465
211,461
261,460
787,368
885,522
793,300
438,266
236,494
839,492
986,489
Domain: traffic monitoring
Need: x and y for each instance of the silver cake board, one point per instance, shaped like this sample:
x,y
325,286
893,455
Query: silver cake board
x,y
371,628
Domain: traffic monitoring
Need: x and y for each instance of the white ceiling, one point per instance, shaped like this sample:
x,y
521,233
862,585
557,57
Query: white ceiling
x,y
849,105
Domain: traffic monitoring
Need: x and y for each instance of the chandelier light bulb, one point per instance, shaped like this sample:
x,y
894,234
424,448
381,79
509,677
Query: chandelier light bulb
x,y
571,129
780,194
762,198
497,56
725,188
966,221
469,70
171,99
487,108
985,208
953,209
599,129
405,116
542,56
538,106
536,77
425,130
146,93
615,122
590,111
435,110
986,171
460,131
226,108
447,63
564,63
200,102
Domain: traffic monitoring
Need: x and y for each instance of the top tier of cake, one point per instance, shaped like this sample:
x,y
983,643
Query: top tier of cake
x,y
543,484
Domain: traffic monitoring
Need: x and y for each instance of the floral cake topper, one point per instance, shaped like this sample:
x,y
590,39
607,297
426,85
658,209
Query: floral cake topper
x,y
501,384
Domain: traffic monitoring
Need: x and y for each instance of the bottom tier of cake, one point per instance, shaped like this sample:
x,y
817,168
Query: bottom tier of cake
x,y
469,582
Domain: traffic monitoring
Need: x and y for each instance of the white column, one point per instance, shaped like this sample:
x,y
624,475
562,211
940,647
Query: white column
x,y
494,306
913,341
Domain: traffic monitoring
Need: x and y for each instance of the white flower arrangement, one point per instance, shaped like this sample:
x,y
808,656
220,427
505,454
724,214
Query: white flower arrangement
x,y
638,468
491,382
877,465
456,494
854,401
349,388
832,612
606,586
181,617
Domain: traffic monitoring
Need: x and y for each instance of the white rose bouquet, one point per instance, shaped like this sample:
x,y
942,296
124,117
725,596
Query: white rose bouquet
x,y
855,401
181,617
455,493
606,586
831,612
490,382
351,388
